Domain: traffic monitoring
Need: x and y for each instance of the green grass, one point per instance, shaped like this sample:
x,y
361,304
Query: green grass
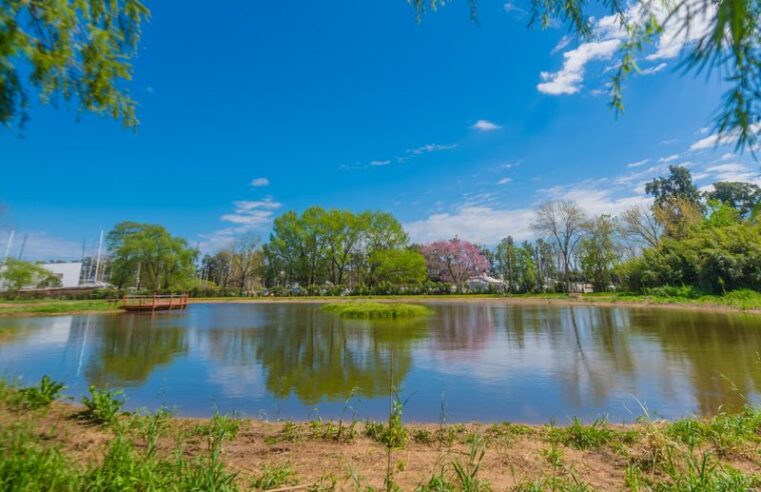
x,y
739,299
375,310
274,476
53,307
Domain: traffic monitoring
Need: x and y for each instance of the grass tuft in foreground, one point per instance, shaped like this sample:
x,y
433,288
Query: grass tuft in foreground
x,y
375,310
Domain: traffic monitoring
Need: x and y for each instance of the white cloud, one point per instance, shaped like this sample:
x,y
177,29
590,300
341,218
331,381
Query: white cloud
x,y
568,79
260,182
564,41
488,224
734,172
608,36
726,156
252,214
486,126
712,141
638,163
475,223
247,216
653,70
425,149
669,158
505,181
380,163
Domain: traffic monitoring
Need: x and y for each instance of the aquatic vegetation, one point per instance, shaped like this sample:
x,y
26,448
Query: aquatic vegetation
x,y
374,310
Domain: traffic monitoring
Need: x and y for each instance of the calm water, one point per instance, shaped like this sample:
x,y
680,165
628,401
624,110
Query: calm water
x,y
477,361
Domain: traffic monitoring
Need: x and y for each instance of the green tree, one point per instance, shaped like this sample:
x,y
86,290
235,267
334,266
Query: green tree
x,y
18,274
739,195
597,252
677,185
506,259
147,256
721,214
71,50
397,267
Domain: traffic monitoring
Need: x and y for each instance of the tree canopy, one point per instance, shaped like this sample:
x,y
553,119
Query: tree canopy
x,y
71,50
148,256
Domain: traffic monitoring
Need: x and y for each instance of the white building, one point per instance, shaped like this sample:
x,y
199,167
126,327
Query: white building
x,y
68,273
483,282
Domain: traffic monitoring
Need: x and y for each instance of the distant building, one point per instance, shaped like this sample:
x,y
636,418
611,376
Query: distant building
x,y
483,282
68,273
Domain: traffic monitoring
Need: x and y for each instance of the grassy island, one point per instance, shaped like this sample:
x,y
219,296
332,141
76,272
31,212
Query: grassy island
x,y
375,310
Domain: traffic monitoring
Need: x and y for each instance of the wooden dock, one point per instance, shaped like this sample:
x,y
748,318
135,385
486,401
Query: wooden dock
x,y
155,303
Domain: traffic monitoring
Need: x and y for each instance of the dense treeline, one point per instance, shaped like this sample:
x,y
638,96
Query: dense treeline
x,y
704,242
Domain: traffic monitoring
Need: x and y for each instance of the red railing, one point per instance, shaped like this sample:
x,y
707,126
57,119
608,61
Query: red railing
x,y
155,302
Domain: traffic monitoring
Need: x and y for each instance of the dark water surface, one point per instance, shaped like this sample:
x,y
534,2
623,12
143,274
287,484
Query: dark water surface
x,y
476,361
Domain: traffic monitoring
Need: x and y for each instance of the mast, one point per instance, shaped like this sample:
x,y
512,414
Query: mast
x,y
8,247
97,261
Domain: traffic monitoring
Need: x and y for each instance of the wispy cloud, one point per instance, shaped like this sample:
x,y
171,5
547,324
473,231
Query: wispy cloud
x,y
379,163
258,182
505,181
638,163
653,70
428,148
485,126
669,158
247,216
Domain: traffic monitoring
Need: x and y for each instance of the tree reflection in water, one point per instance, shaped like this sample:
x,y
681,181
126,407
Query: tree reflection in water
x,y
131,348
315,355
502,361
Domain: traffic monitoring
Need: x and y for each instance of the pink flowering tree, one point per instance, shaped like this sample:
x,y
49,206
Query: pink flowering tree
x,y
454,261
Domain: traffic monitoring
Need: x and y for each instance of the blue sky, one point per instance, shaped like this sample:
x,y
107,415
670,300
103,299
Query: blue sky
x,y
456,128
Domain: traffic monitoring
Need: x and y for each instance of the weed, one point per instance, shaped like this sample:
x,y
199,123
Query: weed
x,y
274,476
103,406
467,473
291,432
42,395
422,436
580,436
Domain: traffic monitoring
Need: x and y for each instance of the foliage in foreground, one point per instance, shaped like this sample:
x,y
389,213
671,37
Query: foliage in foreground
x,y
373,310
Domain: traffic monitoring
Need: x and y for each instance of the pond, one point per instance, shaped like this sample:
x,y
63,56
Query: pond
x,y
485,361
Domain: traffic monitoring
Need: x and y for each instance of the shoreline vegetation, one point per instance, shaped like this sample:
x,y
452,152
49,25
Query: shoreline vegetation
x,y
737,301
47,444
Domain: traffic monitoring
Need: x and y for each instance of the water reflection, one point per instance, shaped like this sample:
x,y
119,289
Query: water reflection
x,y
494,361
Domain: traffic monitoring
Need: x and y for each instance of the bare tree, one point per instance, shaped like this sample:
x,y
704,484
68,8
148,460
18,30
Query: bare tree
x,y
638,223
562,222
246,259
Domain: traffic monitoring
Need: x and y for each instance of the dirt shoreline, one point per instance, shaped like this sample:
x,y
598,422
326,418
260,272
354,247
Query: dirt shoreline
x,y
603,302
514,454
